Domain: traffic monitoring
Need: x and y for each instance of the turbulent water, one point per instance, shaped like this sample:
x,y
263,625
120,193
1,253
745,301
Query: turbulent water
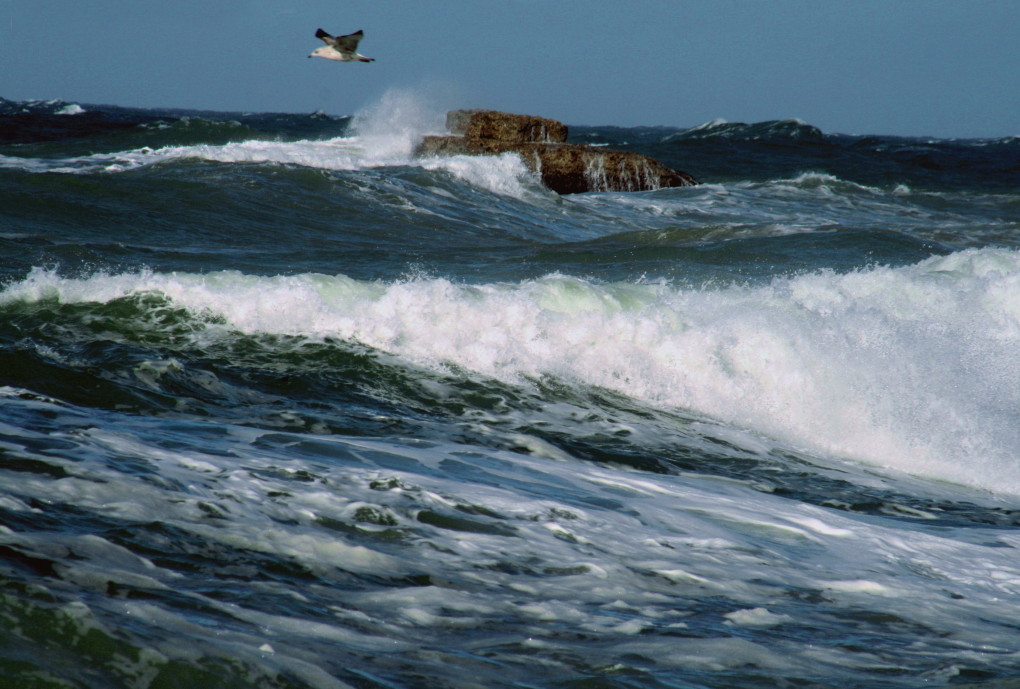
x,y
283,406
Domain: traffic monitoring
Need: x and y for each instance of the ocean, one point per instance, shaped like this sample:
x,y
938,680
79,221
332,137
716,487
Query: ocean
x,y
282,406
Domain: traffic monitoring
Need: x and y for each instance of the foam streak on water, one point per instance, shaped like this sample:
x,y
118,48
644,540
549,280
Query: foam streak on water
x,y
528,549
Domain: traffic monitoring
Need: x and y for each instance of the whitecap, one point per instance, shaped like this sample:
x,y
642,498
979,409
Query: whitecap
x,y
70,109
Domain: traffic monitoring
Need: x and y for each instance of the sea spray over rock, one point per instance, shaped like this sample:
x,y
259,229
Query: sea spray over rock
x,y
391,127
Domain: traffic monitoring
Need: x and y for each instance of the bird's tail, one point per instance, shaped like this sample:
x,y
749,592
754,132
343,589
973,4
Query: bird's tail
x,y
366,59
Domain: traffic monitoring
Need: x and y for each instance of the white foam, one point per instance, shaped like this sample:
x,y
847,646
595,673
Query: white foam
x,y
70,109
756,617
916,369
384,134
334,154
504,174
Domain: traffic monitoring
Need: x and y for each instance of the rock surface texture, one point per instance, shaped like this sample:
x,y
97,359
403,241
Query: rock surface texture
x,y
564,168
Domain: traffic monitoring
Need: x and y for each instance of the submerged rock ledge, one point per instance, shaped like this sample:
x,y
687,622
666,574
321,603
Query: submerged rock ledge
x,y
541,143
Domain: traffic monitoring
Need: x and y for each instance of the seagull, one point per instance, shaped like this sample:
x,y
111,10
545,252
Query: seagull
x,y
340,48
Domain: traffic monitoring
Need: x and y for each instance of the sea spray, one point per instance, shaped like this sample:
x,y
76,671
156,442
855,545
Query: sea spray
x,y
391,129
393,126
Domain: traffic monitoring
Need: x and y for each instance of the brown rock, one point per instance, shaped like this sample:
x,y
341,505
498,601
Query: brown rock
x,y
564,168
504,126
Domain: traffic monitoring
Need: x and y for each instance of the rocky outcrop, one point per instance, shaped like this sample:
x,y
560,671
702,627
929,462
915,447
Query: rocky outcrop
x,y
564,168
503,126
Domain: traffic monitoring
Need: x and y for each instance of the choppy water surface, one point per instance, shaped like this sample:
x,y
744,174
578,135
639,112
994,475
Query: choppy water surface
x,y
282,406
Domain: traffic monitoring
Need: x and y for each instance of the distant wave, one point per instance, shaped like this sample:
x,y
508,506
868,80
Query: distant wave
x,y
59,120
53,106
71,109
505,174
771,130
382,136
114,139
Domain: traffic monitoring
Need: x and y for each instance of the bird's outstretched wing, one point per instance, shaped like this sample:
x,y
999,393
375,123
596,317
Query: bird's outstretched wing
x,y
350,41
328,39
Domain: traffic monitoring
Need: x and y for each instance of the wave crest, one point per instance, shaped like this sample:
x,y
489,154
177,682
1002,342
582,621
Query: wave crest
x,y
772,130
909,368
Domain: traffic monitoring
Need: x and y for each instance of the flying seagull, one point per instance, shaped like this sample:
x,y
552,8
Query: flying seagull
x,y
340,48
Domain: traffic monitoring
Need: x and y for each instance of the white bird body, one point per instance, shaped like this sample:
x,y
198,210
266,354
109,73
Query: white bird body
x,y
340,48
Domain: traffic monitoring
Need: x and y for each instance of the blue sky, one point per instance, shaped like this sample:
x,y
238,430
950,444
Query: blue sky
x,y
915,67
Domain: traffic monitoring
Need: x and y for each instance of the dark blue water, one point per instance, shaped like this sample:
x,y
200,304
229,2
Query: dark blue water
x,y
283,406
